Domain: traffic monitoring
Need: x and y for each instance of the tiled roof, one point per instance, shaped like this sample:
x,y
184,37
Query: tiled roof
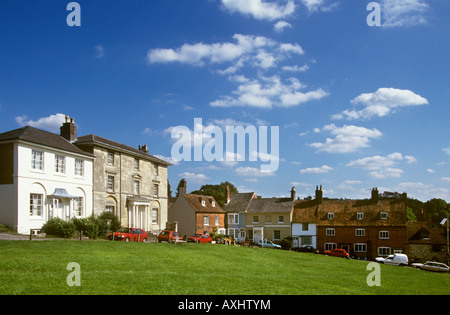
x,y
345,212
196,203
100,141
38,136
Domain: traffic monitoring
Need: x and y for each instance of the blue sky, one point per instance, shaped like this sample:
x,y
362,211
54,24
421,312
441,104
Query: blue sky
x,y
357,106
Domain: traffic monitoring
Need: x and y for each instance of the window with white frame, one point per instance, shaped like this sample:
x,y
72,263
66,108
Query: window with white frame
x,y
136,187
213,203
79,167
233,218
383,215
281,219
78,207
307,240
384,251
330,246
110,158
384,235
360,248
234,233
155,215
109,209
60,164
330,232
216,219
360,215
360,232
203,203
110,183
206,220
37,160
36,205
330,216
255,219
305,226
276,234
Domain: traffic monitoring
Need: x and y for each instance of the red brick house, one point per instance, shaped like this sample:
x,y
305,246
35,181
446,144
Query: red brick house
x,y
196,214
365,228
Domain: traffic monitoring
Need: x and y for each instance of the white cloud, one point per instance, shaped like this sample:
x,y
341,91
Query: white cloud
x,y
423,191
347,139
252,172
281,25
51,123
446,150
318,5
100,51
255,51
194,178
268,92
260,9
399,13
317,170
383,166
381,103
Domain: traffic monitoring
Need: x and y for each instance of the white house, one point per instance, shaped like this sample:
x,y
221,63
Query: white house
x,y
43,176
303,224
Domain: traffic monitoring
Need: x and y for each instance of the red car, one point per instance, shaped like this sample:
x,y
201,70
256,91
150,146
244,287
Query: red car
x,y
169,236
337,253
200,238
129,235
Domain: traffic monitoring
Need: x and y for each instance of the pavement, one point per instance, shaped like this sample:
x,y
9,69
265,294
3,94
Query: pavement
x,y
17,237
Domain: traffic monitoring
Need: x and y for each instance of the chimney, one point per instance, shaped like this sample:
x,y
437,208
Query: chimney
x,y
375,195
69,130
319,195
144,148
182,188
228,194
293,193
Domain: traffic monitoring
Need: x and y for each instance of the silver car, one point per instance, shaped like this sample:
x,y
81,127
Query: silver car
x,y
432,266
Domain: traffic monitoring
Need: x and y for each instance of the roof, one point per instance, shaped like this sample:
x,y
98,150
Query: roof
x,y
103,142
270,205
422,233
195,201
38,136
239,202
345,212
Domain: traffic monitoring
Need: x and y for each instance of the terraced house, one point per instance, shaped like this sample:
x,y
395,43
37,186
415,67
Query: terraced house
x,y
364,228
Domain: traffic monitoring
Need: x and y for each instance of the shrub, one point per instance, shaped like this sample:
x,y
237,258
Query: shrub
x,y
88,226
3,228
59,227
107,222
286,243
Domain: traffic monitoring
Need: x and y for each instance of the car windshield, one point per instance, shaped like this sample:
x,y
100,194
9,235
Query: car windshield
x,y
124,230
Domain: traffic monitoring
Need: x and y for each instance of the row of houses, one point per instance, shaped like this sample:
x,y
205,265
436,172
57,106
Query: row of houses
x,y
44,175
365,228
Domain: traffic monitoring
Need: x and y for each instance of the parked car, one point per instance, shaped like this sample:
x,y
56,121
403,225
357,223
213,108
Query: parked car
x,y
200,238
129,235
169,236
432,266
268,244
396,260
307,249
338,252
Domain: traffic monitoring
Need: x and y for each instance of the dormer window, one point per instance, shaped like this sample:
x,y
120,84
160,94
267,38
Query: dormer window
x,y
203,203
213,203
383,215
330,216
360,215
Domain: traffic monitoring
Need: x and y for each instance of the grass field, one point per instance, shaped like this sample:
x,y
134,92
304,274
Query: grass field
x,y
40,267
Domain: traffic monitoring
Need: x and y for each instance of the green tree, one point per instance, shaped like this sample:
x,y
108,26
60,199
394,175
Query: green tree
x,y
219,192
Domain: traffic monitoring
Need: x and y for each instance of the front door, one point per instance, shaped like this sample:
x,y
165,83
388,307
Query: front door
x,y
258,234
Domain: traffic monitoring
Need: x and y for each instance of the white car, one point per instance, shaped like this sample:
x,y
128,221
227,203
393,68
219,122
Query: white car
x,y
432,266
396,260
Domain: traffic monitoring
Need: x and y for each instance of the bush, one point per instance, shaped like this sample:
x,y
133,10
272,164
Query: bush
x,y
286,243
88,226
107,222
59,227
3,228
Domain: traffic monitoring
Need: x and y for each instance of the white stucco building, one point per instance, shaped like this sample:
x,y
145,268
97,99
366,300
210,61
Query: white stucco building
x,y
42,176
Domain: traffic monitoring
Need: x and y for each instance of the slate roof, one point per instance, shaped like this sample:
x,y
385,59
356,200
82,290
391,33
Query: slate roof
x,y
195,201
38,136
270,205
100,141
239,202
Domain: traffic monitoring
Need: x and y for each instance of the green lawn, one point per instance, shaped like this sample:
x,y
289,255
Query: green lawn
x,y
40,267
